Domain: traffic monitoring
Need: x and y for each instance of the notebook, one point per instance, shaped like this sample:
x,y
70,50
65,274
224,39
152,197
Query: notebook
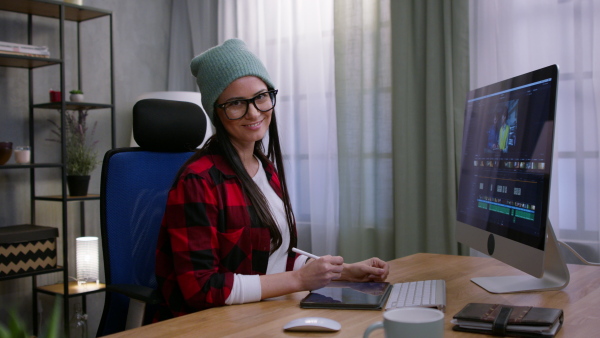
x,y
508,320
348,295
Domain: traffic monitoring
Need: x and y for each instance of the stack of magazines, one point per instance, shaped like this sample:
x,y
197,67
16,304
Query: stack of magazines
x,y
24,50
508,320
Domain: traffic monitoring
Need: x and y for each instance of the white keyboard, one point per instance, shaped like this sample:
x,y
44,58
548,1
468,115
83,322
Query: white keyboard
x,y
425,293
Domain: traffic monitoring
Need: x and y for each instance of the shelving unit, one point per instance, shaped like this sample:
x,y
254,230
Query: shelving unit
x,y
62,12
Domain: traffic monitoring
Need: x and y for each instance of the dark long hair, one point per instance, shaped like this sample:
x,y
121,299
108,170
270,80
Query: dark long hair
x,y
220,143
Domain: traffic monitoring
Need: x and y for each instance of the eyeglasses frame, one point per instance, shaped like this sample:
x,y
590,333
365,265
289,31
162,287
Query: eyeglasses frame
x,y
272,94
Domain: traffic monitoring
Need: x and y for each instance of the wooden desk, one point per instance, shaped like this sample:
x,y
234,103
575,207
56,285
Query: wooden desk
x,y
580,301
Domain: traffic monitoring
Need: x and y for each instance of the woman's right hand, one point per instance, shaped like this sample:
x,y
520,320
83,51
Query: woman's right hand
x,y
318,273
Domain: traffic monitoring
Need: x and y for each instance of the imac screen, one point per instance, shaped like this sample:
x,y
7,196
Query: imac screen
x,y
506,157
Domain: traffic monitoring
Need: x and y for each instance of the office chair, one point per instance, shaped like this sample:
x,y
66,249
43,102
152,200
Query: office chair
x,y
134,186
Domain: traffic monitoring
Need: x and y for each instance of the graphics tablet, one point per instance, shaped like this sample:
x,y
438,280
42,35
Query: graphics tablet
x,y
348,295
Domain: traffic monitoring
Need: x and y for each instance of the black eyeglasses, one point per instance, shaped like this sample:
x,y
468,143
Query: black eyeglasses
x,y
238,108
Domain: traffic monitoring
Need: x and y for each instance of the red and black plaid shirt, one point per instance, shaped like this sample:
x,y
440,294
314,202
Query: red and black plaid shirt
x,y
209,232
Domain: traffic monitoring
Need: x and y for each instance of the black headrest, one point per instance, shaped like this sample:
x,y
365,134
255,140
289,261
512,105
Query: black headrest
x,y
168,126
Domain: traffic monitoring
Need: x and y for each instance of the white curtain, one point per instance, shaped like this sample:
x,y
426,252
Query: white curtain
x,y
511,37
295,41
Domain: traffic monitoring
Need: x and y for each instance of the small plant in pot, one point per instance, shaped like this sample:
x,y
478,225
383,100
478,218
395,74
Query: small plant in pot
x,y
76,95
81,154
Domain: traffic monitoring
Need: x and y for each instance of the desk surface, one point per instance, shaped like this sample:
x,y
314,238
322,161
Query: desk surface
x,y
580,301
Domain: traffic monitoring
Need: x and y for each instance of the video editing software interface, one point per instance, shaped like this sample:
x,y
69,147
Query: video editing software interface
x,y
506,159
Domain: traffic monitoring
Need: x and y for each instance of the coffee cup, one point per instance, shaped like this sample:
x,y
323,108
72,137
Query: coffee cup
x,y
409,322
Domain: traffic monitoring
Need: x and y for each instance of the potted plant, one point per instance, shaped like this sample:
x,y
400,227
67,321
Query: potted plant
x,y
76,95
81,155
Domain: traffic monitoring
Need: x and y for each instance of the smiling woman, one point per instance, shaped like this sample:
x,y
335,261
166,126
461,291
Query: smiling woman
x,y
246,123
228,227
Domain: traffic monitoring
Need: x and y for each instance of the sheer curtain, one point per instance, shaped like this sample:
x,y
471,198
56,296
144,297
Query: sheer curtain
x,y
510,37
295,41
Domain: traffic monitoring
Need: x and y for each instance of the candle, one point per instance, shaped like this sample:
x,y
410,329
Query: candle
x,y
22,154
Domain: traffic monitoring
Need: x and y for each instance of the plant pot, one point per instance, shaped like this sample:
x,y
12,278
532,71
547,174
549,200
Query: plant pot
x,y
76,97
78,185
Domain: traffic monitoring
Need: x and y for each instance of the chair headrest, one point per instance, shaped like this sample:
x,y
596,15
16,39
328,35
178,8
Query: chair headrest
x,y
168,126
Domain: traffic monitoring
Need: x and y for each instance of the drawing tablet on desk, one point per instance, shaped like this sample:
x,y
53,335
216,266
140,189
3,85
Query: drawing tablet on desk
x,y
348,295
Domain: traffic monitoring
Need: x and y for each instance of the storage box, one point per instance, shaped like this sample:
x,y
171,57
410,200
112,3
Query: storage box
x,y
27,248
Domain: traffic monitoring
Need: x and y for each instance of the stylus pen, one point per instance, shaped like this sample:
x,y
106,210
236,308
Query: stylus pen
x,y
305,253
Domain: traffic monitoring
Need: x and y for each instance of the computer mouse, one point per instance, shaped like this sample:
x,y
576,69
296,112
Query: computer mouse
x,y
313,324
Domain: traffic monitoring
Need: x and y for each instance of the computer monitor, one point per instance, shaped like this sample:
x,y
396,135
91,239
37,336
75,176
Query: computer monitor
x,y
504,184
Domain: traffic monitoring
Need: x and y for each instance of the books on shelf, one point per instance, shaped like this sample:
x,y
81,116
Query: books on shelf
x,y
24,50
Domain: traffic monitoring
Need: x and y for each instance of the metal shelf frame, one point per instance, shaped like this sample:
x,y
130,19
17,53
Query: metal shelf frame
x,y
61,11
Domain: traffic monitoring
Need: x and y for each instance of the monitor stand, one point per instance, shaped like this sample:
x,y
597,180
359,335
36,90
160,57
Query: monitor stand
x,y
556,274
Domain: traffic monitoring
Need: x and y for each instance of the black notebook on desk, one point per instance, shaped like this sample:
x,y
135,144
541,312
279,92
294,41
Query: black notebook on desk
x,y
348,295
508,320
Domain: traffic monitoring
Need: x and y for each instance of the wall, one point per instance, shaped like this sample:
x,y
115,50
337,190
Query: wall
x,y
141,33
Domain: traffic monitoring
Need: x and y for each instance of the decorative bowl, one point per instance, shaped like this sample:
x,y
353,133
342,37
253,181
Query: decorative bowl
x,y
5,152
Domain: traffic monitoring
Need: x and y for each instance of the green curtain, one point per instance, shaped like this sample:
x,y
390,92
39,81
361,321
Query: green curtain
x,y
430,80
400,91
363,109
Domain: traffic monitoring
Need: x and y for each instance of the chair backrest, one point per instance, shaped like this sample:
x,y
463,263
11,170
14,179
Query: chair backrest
x,y
134,187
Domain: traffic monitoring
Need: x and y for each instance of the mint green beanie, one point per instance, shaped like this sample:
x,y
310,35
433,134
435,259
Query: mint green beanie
x,y
219,66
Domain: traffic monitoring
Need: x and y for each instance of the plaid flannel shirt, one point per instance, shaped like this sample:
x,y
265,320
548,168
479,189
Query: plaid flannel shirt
x,y
209,232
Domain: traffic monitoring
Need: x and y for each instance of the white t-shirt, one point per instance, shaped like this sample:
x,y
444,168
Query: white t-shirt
x,y
246,288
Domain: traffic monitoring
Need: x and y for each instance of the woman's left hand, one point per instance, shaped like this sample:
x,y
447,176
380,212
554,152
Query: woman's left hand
x,y
370,270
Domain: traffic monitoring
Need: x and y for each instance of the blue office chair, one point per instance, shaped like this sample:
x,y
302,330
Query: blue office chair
x,y
134,187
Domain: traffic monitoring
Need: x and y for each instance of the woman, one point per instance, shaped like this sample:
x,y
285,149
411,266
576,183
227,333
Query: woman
x,y
228,228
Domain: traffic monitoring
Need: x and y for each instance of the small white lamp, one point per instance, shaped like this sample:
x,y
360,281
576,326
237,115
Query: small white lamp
x,y
88,265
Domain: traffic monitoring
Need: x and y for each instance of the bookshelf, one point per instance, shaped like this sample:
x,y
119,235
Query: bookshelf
x,y
61,12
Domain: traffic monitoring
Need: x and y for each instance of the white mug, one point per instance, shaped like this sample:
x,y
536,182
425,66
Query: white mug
x,y
409,322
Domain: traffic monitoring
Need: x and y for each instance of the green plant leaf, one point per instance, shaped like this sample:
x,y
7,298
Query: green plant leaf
x,y
82,158
4,332
54,322
16,328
